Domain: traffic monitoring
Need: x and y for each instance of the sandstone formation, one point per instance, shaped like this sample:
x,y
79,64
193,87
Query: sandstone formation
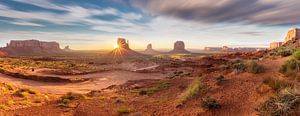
x,y
123,50
150,50
179,48
293,34
67,49
274,45
228,49
31,47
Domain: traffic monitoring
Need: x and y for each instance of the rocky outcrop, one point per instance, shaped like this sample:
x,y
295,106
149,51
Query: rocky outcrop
x,y
179,48
123,50
31,47
150,50
67,49
293,34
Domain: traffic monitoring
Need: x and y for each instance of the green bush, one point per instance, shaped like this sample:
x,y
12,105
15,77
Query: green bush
x,y
253,67
157,87
296,55
193,90
71,96
284,52
210,103
284,104
290,65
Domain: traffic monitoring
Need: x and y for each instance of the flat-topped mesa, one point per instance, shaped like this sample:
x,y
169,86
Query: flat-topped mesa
x,y
31,47
274,45
292,35
179,47
32,43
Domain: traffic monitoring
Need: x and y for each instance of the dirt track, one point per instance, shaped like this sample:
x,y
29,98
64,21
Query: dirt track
x,y
98,81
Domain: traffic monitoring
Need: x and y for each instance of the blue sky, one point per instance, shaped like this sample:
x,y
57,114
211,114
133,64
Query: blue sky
x,y
95,24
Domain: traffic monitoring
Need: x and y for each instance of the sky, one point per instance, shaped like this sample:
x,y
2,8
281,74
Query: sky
x,y
96,24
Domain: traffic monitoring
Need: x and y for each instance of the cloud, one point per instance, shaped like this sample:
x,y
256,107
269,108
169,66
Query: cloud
x,y
267,12
251,33
24,23
73,15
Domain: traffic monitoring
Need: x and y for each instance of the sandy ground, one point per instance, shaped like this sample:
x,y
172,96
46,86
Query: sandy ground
x,y
98,81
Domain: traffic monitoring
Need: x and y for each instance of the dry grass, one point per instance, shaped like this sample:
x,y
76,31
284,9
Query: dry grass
x,y
194,89
284,104
277,84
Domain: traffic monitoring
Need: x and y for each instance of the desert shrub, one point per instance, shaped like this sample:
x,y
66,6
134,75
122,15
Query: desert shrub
x,y
239,67
220,79
284,104
210,103
71,96
289,66
193,90
255,68
277,84
157,87
123,110
24,92
296,55
3,107
284,52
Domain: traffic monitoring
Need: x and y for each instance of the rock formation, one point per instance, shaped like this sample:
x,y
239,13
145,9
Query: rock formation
x,y
179,48
150,50
274,45
31,47
67,49
123,50
293,34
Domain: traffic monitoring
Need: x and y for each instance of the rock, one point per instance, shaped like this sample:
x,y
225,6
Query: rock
x,y
150,50
123,51
179,48
67,49
293,34
31,47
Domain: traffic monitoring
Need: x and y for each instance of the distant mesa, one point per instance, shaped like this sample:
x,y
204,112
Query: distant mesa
x,y
229,49
150,50
123,50
67,49
179,48
31,47
274,45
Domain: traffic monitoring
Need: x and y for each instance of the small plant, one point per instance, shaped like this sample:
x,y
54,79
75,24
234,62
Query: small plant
x,y
239,67
290,68
296,55
284,52
284,104
276,84
253,67
65,99
3,107
210,103
193,90
220,79
123,110
24,92
157,87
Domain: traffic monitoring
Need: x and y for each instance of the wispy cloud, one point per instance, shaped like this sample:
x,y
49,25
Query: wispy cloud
x,y
25,23
267,12
73,15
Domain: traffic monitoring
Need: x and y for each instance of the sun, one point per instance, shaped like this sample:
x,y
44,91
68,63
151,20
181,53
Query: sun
x,y
116,46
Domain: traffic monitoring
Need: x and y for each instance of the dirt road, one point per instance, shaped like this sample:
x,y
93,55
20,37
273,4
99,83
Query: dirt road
x,y
98,81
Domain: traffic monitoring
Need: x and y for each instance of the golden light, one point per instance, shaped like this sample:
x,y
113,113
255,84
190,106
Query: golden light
x,y
116,46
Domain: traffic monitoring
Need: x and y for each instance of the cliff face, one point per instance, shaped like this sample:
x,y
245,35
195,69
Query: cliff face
x,y
31,47
179,48
123,51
